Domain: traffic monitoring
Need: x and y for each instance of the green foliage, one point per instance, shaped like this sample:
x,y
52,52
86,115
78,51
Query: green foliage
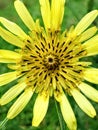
x,y
74,11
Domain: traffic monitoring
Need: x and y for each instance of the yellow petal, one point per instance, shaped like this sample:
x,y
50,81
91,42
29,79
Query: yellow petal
x,y
92,50
88,33
9,37
13,66
57,95
86,21
45,11
40,108
12,93
83,103
89,91
62,82
7,54
91,75
24,14
12,27
91,41
68,113
8,77
4,60
91,46
20,103
53,82
57,13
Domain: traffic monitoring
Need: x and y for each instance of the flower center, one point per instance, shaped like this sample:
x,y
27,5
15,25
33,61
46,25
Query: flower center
x,y
51,62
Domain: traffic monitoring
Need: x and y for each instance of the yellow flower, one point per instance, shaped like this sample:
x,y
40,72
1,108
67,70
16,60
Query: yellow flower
x,y
49,62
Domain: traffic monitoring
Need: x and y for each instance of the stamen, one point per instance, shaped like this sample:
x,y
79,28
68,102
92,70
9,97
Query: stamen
x,y
42,45
37,47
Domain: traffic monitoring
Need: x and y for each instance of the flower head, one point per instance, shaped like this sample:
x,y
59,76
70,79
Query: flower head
x,y
49,62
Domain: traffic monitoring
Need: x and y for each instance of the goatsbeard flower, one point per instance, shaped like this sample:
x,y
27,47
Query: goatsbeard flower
x,y
49,62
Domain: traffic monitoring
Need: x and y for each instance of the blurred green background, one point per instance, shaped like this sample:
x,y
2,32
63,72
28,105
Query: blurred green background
x,y
74,11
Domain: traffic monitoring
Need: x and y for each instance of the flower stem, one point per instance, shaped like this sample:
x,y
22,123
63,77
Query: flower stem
x,y
61,121
2,123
